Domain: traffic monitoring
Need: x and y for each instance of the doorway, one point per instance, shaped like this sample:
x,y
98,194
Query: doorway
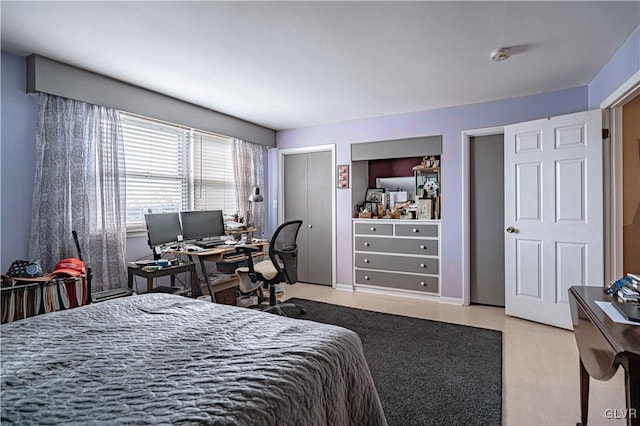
x,y
631,186
486,220
622,211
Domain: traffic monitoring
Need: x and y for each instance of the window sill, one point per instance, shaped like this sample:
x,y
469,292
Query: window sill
x,y
136,233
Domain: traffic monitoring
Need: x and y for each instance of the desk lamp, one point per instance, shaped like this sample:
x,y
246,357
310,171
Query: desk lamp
x,y
256,197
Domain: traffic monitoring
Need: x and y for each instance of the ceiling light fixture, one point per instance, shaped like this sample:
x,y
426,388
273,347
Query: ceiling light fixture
x,y
500,54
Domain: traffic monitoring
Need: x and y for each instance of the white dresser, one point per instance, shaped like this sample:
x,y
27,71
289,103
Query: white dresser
x,y
397,256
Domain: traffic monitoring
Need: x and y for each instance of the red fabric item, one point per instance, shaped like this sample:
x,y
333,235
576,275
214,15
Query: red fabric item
x,y
71,267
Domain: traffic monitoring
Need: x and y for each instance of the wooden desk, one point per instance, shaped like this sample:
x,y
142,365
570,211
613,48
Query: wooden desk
x,y
604,345
216,254
171,271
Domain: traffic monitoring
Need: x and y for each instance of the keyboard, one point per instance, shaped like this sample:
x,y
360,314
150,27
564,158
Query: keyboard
x,y
209,244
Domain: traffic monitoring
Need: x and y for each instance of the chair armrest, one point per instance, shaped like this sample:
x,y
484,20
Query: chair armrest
x,y
246,250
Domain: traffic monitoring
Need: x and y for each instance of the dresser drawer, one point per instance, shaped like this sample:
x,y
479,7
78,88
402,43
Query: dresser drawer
x,y
397,281
408,230
374,228
397,245
420,265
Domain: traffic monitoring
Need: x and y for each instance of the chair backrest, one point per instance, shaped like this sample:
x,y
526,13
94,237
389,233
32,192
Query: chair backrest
x,y
283,249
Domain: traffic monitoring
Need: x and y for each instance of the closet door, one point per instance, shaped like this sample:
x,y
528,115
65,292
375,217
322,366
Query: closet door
x,y
318,226
308,185
295,204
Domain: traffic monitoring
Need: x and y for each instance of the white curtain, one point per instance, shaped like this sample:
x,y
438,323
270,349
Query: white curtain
x,y
79,185
248,169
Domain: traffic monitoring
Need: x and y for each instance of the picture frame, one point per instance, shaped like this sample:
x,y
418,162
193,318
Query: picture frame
x,y
374,195
374,208
425,209
342,174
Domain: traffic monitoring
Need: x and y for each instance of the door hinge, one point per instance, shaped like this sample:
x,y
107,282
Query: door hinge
x,y
605,133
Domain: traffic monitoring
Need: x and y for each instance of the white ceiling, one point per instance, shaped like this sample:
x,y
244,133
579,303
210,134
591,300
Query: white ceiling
x,y
295,64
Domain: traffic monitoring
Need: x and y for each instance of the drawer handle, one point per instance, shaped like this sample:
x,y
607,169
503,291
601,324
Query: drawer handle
x,y
366,277
423,247
366,244
416,230
366,261
373,229
422,283
422,265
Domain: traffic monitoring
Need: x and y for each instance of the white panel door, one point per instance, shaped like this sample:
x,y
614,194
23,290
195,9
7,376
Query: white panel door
x,y
553,214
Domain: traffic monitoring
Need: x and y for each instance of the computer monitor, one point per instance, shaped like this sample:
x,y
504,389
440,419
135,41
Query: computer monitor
x,y
199,225
163,228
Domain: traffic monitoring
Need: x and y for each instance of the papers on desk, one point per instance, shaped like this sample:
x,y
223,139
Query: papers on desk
x,y
613,313
234,226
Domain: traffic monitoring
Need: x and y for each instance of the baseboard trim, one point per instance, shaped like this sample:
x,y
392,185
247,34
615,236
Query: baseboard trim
x,y
386,292
452,300
343,287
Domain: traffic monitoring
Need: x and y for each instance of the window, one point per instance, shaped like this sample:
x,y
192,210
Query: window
x,y
172,168
214,183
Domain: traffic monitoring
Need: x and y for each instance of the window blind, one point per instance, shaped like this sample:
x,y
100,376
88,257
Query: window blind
x,y
213,178
157,168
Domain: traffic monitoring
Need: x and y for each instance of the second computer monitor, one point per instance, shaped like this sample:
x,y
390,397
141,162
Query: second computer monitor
x,y
199,225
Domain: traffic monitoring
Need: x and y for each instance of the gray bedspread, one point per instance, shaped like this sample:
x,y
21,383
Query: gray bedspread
x,y
164,359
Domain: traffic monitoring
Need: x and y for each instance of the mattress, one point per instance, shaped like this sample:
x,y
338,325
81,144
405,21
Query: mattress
x,y
166,359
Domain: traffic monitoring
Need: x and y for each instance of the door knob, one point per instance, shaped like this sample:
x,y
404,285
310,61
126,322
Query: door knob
x,y
310,226
511,230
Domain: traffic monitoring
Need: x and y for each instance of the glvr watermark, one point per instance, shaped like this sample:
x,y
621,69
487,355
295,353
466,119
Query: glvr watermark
x,y
621,413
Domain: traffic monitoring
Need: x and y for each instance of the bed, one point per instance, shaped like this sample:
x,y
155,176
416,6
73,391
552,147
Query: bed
x,y
166,359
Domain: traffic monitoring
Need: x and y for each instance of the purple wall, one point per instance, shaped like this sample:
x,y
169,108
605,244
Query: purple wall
x,y
17,153
18,165
622,66
448,122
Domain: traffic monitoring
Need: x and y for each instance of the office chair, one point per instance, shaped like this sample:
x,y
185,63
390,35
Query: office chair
x,y
281,266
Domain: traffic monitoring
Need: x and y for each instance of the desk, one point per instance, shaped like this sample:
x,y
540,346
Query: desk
x,y
604,345
133,269
216,254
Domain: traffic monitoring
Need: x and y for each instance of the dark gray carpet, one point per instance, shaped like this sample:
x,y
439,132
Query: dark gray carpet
x,y
426,372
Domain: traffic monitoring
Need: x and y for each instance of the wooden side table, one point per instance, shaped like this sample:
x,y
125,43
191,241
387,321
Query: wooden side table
x,y
171,271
